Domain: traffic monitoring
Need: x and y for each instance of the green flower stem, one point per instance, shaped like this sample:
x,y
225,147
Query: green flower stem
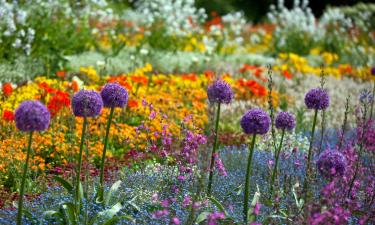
x,y
276,162
247,185
101,188
214,151
78,175
372,103
306,181
22,189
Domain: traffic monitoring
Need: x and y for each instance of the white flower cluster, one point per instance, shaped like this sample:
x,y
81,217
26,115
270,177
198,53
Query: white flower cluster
x,y
298,19
13,29
180,17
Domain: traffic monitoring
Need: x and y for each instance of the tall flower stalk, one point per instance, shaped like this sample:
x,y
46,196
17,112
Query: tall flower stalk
x,y
84,104
114,96
284,121
219,92
316,99
30,116
253,122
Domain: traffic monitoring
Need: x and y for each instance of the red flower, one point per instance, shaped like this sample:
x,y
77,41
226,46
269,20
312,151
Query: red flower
x,y
61,74
58,102
133,104
8,115
287,74
7,89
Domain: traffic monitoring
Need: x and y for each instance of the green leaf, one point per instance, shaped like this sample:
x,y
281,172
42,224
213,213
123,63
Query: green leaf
x,y
111,191
64,183
117,219
69,212
218,205
202,217
109,213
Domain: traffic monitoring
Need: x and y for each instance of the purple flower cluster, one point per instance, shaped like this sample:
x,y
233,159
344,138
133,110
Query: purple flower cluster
x,y
373,71
87,103
219,92
331,164
32,116
285,120
317,98
114,95
255,121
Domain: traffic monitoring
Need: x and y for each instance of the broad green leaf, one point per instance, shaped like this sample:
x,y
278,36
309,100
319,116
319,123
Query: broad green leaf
x,y
109,213
218,205
64,183
111,191
202,217
68,210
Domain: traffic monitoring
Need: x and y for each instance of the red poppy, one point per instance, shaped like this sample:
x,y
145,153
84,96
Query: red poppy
x,y
287,74
7,89
133,104
8,115
58,102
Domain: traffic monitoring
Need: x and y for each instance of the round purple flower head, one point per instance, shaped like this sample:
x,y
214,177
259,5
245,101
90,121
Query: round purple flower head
x,y
32,116
331,164
114,95
285,120
317,98
219,92
255,121
87,103
373,71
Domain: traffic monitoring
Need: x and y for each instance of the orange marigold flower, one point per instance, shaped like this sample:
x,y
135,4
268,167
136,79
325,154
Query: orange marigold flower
x,y
74,85
61,74
7,89
8,115
209,74
190,76
139,79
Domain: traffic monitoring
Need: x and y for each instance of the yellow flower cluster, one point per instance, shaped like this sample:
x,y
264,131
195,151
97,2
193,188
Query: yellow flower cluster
x,y
298,64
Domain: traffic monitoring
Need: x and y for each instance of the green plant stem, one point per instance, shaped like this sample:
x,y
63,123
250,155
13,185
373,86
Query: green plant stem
x,y
212,165
361,144
247,184
306,181
101,188
78,175
22,188
276,163
372,103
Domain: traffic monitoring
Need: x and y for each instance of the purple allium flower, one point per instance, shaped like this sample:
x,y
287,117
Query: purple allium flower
x,y
317,98
255,121
114,95
220,92
87,103
32,116
285,120
331,164
373,71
